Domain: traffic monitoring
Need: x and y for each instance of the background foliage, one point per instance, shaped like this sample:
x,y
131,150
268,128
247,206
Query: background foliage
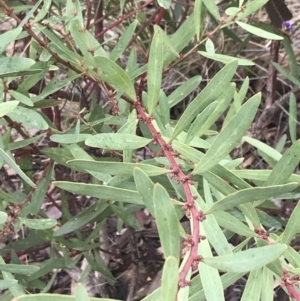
x,y
149,151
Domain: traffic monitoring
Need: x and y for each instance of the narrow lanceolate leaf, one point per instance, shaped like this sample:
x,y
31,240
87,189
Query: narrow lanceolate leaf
x,y
155,66
14,66
7,37
123,41
145,188
210,93
197,128
117,168
230,135
233,224
292,227
117,141
259,32
212,8
273,153
69,138
293,117
114,75
39,224
43,11
225,58
184,90
198,123
267,294
15,167
28,117
102,191
248,260
197,18
83,218
7,107
59,297
210,277
286,165
19,269
250,195
254,286
169,281
167,222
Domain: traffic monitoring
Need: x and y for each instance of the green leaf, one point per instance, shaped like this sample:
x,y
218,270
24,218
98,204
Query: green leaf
x,y
3,217
169,281
117,141
5,284
102,191
18,269
8,37
123,41
210,277
230,135
126,216
79,153
293,117
253,286
273,153
164,3
28,117
226,58
15,289
167,222
39,224
291,56
69,138
267,293
21,97
198,20
56,297
145,188
7,107
213,89
205,121
39,195
200,121
250,8
85,40
197,293
212,8
184,90
155,67
250,195
248,260
209,46
287,74
259,32
233,224
83,218
43,11
14,66
15,167
286,165
81,293
117,168
293,226
114,75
